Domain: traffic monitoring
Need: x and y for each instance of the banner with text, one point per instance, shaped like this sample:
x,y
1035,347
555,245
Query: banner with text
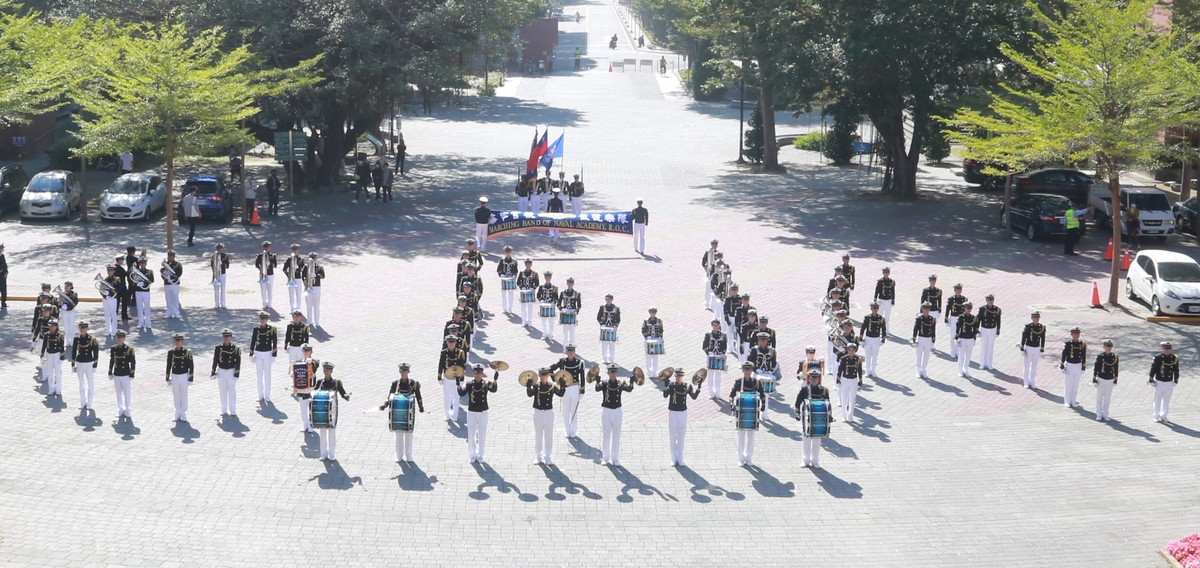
x,y
612,222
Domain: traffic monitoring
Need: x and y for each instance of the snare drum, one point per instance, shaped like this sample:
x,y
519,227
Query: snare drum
x,y
746,411
716,361
400,412
608,334
508,283
546,310
567,317
767,380
527,295
654,346
815,415
324,409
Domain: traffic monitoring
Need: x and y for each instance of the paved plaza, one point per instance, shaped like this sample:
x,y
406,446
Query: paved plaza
x,y
945,471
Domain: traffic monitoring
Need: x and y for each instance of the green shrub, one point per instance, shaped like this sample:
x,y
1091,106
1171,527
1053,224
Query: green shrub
x,y
60,154
813,141
754,136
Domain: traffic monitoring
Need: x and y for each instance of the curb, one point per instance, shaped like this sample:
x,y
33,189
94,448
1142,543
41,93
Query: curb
x,y
1170,559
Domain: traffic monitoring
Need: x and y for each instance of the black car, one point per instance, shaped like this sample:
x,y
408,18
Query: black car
x,y
1039,215
13,180
1185,215
1070,183
972,171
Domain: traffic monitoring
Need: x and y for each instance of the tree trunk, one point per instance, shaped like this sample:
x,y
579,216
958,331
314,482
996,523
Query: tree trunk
x,y
766,98
1114,189
903,181
338,142
170,201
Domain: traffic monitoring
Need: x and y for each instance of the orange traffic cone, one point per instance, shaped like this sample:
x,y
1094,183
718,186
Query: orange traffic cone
x,y
610,66
1126,260
1108,251
254,216
1095,295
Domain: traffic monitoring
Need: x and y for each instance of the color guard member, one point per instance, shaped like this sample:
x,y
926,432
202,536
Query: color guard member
x,y
265,262
543,392
180,374
547,293
1074,357
923,337
652,329
611,416
609,315
405,385
476,392
715,343
677,394
264,346
329,435
954,309
570,300
122,363
523,190
966,329
85,357
1164,375
989,329
226,369
850,373
507,268
527,281
747,383
293,268
811,452
575,191
885,293
1033,344
171,274
571,394
451,356
873,334
1104,377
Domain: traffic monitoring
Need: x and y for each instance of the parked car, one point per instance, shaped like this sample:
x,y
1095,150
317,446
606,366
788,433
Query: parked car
x,y
13,180
133,196
51,194
1070,183
1186,215
1170,281
1039,215
1155,214
212,197
972,172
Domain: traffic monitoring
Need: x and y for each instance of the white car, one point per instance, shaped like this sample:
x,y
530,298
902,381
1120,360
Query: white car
x,y
52,194
1170,281
133,196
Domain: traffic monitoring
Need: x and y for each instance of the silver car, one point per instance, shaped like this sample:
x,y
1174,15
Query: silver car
x,y
133,196
51,195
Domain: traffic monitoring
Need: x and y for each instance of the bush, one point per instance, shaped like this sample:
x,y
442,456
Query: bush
x,y
813,141
60,154
754,137
934,145
839,147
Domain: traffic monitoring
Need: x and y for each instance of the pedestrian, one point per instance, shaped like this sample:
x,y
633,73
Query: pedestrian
x,y
250,188
578,53
191,212
483,216
662,65
641,218
401,148
1133,224
273,187
1074,228
1033,344
388,180
641,41
1074,357
1104,378
3,279
235,165
362,176
126,162
1164,375
377,180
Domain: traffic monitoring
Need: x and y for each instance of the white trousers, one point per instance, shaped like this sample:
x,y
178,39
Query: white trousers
x,y
86,374
179,391
227,390
312,299
871,360
953,321
677,432
328,443
122,385
295,288
576,205
568,332
965,348
608,351
172,292
267,290
404,446
708,293
67,326
1104,389
610,424
831,362
506,300
219,292
294,354
714,383
523,204
1032,354
548,328
52,373
639,237
452,401
570,409
305,414
885,309
553,233
745,447
481,236
543,435
535,203
527,313
110,315
924,348
651,365
476,434
1071,384
143,309
262,371
847,396
811,451
987,346
1162,398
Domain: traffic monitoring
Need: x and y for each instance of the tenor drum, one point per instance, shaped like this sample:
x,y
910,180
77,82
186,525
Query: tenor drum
x,y
815,415
567,317
608,334
767,380
746,411
324,409
716,361
400,412
508,283
527,295
546,310
654,346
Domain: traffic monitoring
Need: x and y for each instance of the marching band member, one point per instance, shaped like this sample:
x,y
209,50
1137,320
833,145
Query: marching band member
x,y
718,283
547,293
123,273
715,343
53,352
472,288
476,392
41,325
1033,344
748,332
543,392
841,338
171,284
1164,375
966,328
460,327
885,293
611,416
811,451
67,302
483,216
506,268
219,283
989,328
265,262
810,362
575,191
1104,377
180,374
747,383
264,346
832,305
842,284
652,329
110,297
312,297
451,356
468,313
121,366
293,268
535,197
838,281
765,363
733,301
1074,357
609,315
474,256
226,369
141,290
303,385
923,337
677,394
527,282
740,316
295,337
641,218
848,273
762,328
329,435
85,357
570,301
932,296
850,373
954,309
571,394
405,385
873,334
554,205
708,262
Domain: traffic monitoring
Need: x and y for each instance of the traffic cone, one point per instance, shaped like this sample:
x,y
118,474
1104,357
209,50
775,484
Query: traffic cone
x,y
254,216
610,66
1108,251
1095,295
1126,260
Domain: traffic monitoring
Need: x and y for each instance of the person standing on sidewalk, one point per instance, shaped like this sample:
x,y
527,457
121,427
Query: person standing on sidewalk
x,y
191,212
400,149
388,179
126,162
641,218
250,188
273,187
578,57
362,177
1133,224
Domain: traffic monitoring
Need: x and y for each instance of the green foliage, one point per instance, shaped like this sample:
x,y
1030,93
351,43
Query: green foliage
x,y
61,154
36,63
934,144
754,136
844,132
813,141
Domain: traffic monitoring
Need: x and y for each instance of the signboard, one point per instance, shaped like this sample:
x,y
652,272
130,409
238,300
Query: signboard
x,y
299,146
18,141
611,222
862,147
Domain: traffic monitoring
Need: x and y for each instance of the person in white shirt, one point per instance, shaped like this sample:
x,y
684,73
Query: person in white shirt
x,y
126,162
250,186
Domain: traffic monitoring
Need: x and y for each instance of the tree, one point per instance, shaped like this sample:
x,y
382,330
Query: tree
x,y
157,88
36,63
1114,83
754,136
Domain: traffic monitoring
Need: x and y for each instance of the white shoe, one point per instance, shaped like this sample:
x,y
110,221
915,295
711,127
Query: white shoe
x,y
355,201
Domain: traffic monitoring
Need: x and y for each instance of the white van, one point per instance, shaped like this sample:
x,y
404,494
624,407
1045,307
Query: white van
x,y
1157,219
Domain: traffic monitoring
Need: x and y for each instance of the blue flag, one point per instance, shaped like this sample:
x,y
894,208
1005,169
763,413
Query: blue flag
x,y
555,150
